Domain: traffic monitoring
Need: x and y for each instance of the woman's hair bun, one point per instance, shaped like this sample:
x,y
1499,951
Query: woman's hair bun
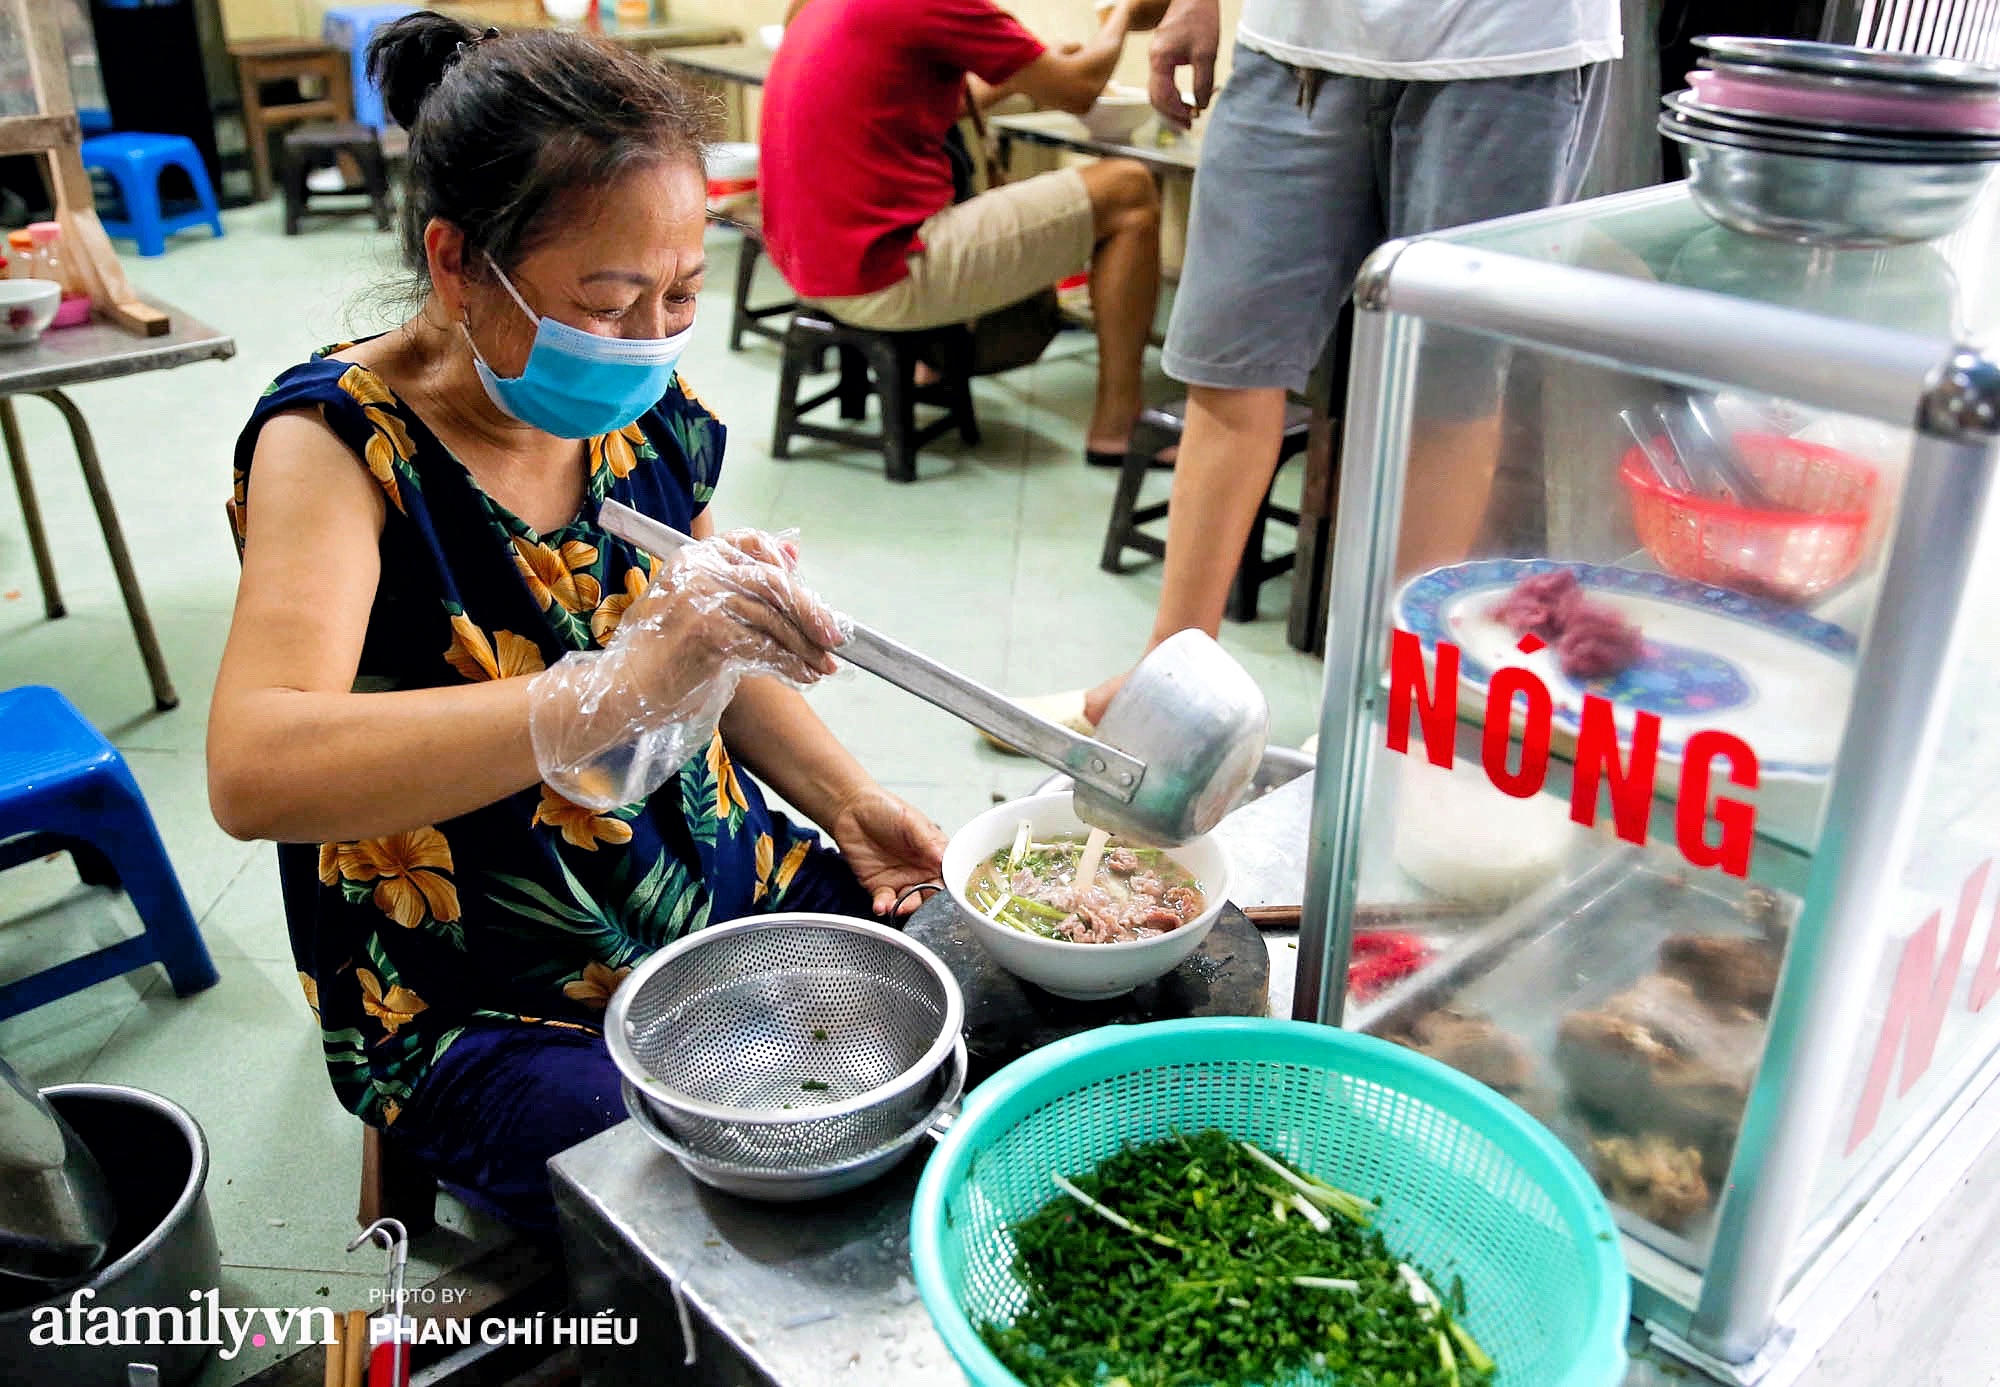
x,y
410,56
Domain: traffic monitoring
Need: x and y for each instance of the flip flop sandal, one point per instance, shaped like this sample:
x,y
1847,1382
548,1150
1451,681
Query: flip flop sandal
x,y
1064,708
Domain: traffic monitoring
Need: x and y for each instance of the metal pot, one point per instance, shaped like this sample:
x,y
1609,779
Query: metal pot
x,y
56,1212
155,1160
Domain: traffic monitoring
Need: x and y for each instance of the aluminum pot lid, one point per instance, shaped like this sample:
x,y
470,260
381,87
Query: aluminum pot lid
x,y
1677,127
1950,148
1839,59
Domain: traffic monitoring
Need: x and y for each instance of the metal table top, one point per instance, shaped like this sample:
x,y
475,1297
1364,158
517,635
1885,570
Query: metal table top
x,y
100,351
748,63
824,1295
802,1296
1155,145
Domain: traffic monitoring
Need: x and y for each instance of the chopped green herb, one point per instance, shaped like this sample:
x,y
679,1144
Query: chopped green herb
x,y
1203,1260
819,1033
813,1086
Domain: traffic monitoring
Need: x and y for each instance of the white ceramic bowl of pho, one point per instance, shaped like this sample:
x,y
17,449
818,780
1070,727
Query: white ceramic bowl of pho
x,y
1027,935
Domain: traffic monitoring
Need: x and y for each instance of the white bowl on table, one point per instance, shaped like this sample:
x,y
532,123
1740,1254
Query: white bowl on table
x,y
27,306
1118,114
1085,972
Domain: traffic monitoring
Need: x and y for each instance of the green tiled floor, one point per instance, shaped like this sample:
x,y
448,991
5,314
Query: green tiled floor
x,y
990,563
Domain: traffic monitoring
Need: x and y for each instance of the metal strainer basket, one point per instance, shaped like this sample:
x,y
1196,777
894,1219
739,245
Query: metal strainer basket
x,y
786,1042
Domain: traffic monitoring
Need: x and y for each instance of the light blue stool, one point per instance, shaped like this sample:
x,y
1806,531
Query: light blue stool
x,y
63,788
134,162
349,28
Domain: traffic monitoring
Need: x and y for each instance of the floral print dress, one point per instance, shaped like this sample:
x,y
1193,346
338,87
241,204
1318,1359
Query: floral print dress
x,y
530,910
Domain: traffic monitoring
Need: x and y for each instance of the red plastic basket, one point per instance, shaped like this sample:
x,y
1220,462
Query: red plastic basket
x,y
1791,556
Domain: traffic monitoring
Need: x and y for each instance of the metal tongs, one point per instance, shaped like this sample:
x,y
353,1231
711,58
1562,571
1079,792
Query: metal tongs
x,y
395,1240
1696,432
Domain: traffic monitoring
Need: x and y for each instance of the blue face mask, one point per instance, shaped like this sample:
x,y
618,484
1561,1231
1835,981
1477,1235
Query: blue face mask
x,y
577,384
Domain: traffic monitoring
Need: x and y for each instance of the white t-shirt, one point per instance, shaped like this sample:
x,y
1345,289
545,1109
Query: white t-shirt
x,y
1433,40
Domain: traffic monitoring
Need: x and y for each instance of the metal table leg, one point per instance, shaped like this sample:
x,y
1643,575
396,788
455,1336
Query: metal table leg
x,y
31,510
164,697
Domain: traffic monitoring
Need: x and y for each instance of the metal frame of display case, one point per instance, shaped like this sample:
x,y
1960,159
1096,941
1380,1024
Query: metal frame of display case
x,y
1951,399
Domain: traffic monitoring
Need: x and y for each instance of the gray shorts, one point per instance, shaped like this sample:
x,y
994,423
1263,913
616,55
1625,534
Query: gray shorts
x,y
1288,201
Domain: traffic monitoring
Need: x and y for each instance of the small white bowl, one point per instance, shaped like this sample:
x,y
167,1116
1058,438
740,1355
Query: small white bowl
x,y
1118,114
27,306
731,161
1086,972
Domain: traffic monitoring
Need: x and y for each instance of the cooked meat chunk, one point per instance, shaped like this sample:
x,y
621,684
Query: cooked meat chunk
x,y
1472,1045
1658,1058
1653,1176
1724,970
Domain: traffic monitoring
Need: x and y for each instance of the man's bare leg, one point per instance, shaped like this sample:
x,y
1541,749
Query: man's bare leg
x,y
1450,484
1229,449
1124,292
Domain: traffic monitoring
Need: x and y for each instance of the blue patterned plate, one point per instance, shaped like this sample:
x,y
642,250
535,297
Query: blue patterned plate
x,y
1776,677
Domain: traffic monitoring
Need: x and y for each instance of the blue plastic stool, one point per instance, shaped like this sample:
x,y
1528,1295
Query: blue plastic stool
x,y
349,28
134,162
63,788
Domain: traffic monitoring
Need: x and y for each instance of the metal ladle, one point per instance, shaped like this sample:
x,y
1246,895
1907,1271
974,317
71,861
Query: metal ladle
x,y
1175,750
56,1212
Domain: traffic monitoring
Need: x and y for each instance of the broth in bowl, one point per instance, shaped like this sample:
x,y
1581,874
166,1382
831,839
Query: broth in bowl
x,y
1135,892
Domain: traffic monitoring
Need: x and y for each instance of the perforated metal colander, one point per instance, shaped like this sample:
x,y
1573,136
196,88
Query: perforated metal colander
x,y
786,1042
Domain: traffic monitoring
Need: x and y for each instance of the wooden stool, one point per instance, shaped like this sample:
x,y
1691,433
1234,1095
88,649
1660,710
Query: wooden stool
x,y
883,364
357,142
263,61
745,317
394,1184
1160,427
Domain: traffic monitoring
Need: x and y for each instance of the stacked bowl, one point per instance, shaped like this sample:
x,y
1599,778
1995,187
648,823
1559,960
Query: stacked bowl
x,y
1836,146
789,1056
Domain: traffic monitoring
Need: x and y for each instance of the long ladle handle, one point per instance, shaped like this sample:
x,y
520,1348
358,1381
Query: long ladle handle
x,y
1090,762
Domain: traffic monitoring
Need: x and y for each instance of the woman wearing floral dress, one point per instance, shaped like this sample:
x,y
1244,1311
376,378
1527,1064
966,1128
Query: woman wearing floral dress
x,y
423,572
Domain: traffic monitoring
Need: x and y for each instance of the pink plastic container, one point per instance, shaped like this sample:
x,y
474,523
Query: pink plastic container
x,y
1780,99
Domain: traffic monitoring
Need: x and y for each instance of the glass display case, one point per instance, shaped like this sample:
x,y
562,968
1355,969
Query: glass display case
x,y
1657,705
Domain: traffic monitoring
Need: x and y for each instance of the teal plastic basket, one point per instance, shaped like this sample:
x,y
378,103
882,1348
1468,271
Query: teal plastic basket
x,y
1470,1185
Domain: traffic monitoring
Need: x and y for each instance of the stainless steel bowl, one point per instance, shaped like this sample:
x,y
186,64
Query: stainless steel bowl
x,y
794,1186
1770,188
1831,83
1845,60
787,1041
1847,142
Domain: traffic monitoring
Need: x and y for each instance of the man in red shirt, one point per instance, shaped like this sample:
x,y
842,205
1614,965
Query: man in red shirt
x,y
857,188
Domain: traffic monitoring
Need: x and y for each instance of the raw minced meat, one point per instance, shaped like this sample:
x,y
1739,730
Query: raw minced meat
x,y
1591,640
